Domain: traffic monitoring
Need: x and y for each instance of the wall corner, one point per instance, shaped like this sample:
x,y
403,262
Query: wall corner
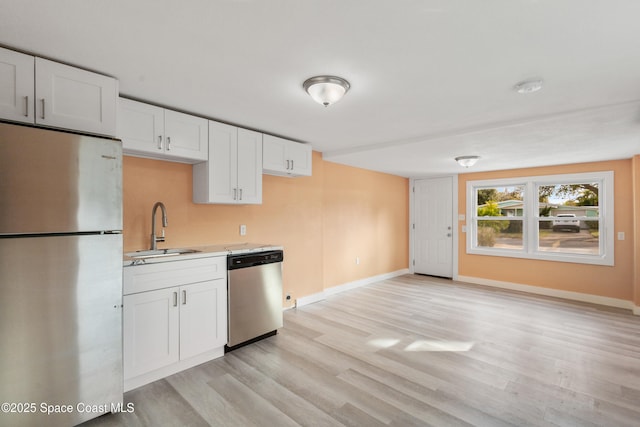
x,y
635,171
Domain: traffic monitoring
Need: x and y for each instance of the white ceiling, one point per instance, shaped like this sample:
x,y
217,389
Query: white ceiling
x,y
430,79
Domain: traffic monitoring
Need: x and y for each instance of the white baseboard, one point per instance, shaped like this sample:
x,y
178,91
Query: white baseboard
x,y
310,299
576,296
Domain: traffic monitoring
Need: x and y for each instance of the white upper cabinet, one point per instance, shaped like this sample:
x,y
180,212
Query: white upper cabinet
x,y
286,158
233,173
249,166
39,91
71,98
150,131
16,86
140,127
186,136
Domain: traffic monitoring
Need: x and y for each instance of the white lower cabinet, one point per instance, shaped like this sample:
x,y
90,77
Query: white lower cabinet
x,y
202,328
151,327
174,328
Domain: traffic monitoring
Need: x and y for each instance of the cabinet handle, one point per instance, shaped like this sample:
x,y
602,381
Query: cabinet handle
x,y
26,106
42,100
159,142
287,164
291,164
235,193
168,143
241,194
175,299
184,297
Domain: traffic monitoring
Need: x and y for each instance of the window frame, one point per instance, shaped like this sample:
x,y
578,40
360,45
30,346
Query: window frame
x,y
531,217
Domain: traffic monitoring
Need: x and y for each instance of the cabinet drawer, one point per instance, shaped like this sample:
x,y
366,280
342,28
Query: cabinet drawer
x,y
141,278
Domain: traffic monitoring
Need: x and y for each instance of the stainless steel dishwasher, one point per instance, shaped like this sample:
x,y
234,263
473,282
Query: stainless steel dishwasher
x,y
255,296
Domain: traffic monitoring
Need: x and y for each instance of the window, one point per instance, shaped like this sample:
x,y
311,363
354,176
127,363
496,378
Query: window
x,y
565,218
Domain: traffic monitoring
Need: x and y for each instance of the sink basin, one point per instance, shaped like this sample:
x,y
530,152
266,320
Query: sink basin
x,y
155,253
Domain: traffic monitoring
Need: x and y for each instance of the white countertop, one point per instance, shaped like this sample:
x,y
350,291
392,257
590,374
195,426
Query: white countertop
x,y
204,252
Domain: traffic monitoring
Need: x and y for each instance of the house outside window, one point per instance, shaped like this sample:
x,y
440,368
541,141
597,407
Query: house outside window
x,y
567,218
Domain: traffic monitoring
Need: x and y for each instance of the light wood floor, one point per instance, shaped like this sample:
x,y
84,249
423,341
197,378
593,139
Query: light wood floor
x,y
415,351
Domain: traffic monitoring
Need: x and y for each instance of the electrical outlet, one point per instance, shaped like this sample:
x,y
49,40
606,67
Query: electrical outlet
x,y
288,297
357,260
620,235
243,230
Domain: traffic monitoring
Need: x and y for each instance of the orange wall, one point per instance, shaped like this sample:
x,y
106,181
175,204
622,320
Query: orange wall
x,y
366,216
609,281
309,216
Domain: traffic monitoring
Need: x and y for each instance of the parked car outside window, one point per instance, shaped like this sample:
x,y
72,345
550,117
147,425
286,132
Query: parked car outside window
x,y
566,222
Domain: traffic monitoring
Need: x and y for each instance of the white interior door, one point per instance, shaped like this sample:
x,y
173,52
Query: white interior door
x,y
433,234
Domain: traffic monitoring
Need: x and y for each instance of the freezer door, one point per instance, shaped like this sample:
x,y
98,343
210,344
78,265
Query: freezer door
x,y
60,325
58,182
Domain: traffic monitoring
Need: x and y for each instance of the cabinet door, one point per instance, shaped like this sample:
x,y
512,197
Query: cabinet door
x,y
274,154
140,127
151,338
249,167
203,322
300,157
71,98
216,181
16,86
185,136
286,158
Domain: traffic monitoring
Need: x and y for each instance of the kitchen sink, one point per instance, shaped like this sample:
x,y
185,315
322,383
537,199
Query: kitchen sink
x,y
155,253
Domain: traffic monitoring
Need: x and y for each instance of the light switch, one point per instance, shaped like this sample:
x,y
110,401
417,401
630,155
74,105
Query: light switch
x,y
620,235
243,230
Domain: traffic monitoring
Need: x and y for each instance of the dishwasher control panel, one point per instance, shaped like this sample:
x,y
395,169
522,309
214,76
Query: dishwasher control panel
x,y
253,259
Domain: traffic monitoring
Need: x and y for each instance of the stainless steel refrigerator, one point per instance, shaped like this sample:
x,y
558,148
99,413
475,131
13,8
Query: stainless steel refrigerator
x,y
60,276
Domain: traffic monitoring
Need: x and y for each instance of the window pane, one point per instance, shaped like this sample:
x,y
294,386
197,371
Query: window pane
x,y
500,201
565,231
500,234
574,236
565,200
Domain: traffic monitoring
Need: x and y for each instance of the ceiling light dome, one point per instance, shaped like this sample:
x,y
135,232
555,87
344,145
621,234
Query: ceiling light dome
x,y
467,161
326,90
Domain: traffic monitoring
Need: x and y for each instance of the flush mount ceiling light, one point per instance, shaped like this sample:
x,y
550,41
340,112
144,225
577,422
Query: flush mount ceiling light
x,y
528,86
467,161
326,90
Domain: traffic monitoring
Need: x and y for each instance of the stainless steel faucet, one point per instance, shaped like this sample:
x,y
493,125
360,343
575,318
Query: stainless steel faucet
x,y
155,239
